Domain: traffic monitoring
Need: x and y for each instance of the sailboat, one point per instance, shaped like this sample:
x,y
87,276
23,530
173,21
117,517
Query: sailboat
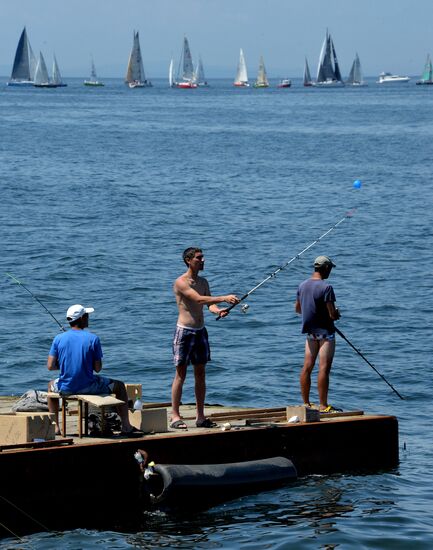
x,y
262,79
41,74
186,77
328,71
93,80
241,74
24,67
427,75
171,73
307,75
42,79
199,74
57,77
355,76
135,77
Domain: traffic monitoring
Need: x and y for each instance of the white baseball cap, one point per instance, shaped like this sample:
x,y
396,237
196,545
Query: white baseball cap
x,y
76,311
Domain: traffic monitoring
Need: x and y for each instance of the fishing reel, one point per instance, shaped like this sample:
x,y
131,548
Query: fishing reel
x,y
245,308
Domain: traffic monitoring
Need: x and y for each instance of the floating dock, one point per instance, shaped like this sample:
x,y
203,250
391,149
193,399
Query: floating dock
x,y
94,482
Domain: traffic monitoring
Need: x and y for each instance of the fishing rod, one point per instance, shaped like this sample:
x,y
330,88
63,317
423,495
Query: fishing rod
x,y
37,299
367,361
274,273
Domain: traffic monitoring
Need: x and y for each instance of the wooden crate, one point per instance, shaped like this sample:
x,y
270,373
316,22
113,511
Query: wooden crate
x,y
304,413
26,427
149,420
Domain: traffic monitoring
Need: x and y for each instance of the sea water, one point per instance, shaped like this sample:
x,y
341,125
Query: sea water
x,y
102,189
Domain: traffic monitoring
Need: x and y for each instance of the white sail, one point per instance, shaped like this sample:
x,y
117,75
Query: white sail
x,y
241,74
32,63
57,77
41,73
199,73
170,74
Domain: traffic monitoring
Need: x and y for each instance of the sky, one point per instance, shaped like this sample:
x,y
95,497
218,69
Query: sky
x,y
389,35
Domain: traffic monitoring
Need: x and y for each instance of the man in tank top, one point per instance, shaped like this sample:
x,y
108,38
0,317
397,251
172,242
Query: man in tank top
x,y
190,342
315,300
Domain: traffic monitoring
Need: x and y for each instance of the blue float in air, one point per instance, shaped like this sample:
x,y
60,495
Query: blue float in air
x,y
357,184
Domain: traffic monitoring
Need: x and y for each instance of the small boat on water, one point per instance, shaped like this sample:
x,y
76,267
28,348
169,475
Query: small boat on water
x,y
57,77
199,75
241,79
42,80
307,75
262,78
328,70
355,77
24,67
284,83
186,77
135,77
93,80
388,78
427,75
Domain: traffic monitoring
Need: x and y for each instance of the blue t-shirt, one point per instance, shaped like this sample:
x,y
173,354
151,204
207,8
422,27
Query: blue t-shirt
x,y
313,295
76,352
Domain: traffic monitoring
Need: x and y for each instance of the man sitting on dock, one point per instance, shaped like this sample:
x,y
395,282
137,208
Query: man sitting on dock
x,y
315,300
190,343
78,355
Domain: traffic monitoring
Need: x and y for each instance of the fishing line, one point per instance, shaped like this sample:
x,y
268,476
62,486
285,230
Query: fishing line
x,y
37,299
44,527
367,361
274,273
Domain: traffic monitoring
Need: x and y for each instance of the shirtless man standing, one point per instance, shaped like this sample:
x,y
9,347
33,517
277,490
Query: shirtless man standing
x,y
190,343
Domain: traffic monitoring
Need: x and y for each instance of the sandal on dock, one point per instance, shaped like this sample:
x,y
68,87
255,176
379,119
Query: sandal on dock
x,y
206,423
178,425
331,409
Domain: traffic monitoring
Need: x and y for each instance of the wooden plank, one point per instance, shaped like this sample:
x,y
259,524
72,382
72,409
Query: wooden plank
x,y
39,444
99,400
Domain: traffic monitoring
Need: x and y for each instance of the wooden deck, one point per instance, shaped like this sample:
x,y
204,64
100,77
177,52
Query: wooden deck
x,y
70,475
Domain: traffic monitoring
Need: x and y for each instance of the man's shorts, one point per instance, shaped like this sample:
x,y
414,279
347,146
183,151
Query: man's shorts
x,y
322,335
190,346
100,385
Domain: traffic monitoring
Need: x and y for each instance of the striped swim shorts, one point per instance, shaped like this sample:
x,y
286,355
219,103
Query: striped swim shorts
x,y
321,336
190,346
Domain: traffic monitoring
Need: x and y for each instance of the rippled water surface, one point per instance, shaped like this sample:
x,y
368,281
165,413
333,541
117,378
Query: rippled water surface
x,y
102,189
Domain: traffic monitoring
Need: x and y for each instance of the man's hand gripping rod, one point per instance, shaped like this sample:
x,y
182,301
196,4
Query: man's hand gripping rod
x,y
274,273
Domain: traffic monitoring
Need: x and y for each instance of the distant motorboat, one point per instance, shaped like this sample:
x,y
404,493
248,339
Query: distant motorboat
x,y
427,75
262,78
284,83
93,80
388,78
135,77
355,77
24,67
241,79
186,77
328,70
